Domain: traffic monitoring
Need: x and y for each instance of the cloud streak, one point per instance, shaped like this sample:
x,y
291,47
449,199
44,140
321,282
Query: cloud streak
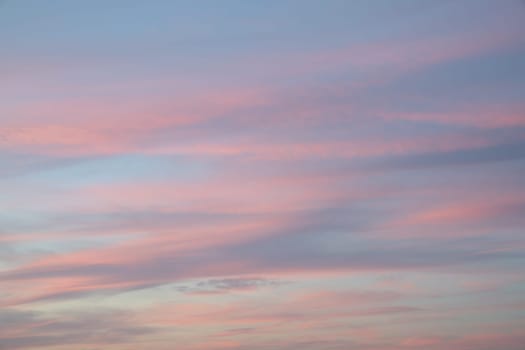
x,y
336,175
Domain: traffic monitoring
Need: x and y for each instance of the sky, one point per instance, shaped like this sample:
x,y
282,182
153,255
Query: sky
x,y
264,175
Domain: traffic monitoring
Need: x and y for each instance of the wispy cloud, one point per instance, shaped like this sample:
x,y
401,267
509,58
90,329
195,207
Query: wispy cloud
x,y
313,175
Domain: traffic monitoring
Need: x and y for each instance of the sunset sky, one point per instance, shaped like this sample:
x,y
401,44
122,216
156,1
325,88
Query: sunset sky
x,y
262,175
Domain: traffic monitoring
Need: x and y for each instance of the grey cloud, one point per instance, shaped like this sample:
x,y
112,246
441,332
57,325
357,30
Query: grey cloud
x,y
496,153
225,285
24,163
73,328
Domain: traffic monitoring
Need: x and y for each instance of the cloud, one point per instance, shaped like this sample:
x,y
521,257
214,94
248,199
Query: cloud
x,y
468,156
226,285
27,329
294,176
327,240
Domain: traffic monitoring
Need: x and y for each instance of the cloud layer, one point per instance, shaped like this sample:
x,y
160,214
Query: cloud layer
x,y
280,175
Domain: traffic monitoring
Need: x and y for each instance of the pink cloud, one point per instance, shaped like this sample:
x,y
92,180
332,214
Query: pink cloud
x,y
101,126
457,214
